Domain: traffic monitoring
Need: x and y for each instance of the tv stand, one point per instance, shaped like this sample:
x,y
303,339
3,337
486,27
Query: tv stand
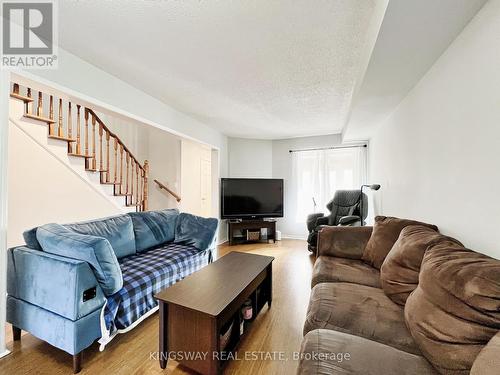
x,y
240,231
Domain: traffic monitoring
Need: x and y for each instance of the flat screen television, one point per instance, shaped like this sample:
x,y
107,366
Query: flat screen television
x,y
251,198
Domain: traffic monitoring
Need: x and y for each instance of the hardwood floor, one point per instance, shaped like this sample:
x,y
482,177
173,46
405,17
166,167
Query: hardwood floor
x,y
276,332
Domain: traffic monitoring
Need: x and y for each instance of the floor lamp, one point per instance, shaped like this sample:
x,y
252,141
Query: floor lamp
x,y
371,187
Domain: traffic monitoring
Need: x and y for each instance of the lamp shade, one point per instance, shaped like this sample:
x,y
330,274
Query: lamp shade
x,y
372,186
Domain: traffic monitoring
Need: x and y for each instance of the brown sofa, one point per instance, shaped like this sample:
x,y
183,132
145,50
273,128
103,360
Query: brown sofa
x,y
433,307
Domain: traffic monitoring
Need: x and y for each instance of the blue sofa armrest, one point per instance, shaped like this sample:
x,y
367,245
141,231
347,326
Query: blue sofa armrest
x,y
64,286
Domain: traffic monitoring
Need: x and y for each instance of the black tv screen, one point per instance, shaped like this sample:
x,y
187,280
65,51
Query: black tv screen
x,y
248,198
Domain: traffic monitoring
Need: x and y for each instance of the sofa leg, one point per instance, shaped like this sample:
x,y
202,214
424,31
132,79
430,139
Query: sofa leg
x,y
77,362
16,333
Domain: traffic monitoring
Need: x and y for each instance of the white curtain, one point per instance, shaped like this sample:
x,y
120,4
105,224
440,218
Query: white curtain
x,y
317,174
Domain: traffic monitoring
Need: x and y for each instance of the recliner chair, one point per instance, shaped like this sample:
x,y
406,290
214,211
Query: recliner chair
x,y
344,210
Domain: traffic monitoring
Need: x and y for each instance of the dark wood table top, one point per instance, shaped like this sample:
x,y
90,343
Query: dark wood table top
x,y
211,289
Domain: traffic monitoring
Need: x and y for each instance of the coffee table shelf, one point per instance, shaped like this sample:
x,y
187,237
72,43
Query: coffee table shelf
x,y
194,310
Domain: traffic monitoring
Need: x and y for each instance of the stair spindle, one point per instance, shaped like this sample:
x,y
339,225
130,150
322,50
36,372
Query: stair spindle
x,y
121,167
132,164
27,106
127,157
51,114
145,188
116,161
101,154
94,161
135,187
86,133
70,128
39,109
60,132
78,138
137,184
142,190
107,156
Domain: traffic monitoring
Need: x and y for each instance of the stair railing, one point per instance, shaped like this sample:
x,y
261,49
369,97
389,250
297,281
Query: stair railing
x,y
103,151
171,192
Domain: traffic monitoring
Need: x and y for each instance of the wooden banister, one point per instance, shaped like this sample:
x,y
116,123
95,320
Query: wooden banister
x,y
93,145
162,186
125,149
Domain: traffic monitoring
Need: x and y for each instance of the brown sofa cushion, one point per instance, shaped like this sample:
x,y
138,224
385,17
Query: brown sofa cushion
x,y
399,272
332,269
359,310
335,353
455,309
488,360
385,233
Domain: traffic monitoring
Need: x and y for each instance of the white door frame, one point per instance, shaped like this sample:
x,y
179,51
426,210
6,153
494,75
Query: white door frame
x,y
4,135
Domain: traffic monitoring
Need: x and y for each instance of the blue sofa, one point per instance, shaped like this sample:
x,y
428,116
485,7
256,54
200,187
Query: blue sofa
x,y
76,283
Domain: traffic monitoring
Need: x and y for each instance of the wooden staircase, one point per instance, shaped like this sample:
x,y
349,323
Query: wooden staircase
x,y
103,151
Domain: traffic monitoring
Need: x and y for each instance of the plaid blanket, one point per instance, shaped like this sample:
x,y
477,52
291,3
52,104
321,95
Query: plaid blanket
x,y
145,274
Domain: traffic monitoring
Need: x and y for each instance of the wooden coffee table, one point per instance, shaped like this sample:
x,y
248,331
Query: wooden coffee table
x,y
194,310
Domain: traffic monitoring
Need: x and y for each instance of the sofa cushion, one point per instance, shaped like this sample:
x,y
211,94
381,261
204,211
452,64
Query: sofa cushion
x,y
488,360
455,309
97,251
386,231
30,239
401,267
359,310
118,230
153,228
196,231
330,353
144,275
332,269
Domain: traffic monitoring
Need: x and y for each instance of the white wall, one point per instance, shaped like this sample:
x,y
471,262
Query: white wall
x,y
42,190
250,158
4,136
164,155
437,155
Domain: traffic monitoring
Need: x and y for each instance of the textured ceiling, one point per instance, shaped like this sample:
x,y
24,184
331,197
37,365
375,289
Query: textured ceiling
x,y
257,69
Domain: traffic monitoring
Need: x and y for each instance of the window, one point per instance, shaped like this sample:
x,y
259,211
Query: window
x,y
317,174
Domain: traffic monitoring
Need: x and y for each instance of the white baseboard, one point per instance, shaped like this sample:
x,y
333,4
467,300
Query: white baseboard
x,y
3,354
222,242
292,237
